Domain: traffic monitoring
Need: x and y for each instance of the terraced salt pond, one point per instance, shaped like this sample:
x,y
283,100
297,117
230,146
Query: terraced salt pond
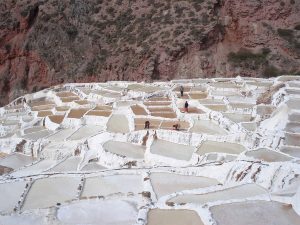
x,y
70,164
125,149
268,155
95,163
24,219
110,212
292,139
220,147
238,118
62,135
10,195
239,192
168,183
85,132
64,149
207,127
93,167
174,217
255,212
293,151
16,160
36,168
293,127
251,126
37,135
172,150
118,123
58,189
103,186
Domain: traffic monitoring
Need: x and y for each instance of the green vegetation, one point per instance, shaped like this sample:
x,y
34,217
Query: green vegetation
x,y
271,71
286,34
244,55
291,38
297,27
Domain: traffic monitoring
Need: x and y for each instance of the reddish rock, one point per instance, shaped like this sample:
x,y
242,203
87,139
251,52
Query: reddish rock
x,y
43,43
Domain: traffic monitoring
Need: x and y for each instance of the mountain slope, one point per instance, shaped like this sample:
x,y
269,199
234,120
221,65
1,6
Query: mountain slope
x,y
43,43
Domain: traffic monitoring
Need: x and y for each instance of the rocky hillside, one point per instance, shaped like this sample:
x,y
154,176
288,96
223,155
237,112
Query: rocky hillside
x,y
47,42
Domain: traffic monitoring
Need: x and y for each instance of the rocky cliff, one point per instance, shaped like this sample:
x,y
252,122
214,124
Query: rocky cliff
x,y
47,42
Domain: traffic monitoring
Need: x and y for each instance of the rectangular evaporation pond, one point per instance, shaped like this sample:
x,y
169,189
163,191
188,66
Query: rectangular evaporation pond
x,y
34,169
38,135
10,195
239,192
118,123
168,183
125,149
103,186
173,217
70,164
85,132
62,135
237,118
48,192
222,147
16,160
172,150
207,127
255,212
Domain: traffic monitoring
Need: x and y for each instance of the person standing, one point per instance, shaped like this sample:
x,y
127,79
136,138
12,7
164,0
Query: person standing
x,y
186,106
147,125
181,90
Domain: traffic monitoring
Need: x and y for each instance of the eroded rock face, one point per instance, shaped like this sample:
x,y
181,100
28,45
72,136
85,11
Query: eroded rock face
x,y
48,42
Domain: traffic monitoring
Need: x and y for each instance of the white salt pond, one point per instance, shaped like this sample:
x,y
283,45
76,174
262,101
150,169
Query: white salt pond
x,y
294,103
264,109
207,127
10,195
59,149
103,186
125,149
118,123
239,192
217,107
268,155
70,164
291,150
34,129
254,213
108,212
172,150
34,169
173,217
16,160
251,126
93,166
221,147
292,139
293,127
294,117
238,117
49,191
37,135
26,219
168,183
62,135
85,132
211,101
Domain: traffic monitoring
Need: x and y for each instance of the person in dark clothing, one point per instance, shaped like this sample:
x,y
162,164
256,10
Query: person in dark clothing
x,y
186,106
176,126
181,91
147,125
